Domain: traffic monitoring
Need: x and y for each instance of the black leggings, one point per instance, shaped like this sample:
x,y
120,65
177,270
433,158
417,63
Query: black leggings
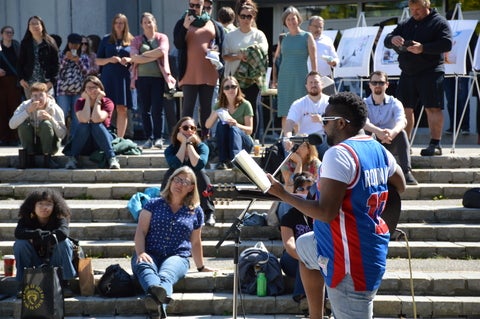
x,y
205,94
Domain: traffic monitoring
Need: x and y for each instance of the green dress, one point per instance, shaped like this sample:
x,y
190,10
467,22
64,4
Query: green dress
x,y
293,70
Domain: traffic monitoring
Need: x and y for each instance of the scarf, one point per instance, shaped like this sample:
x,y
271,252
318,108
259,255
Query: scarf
x,y
199,21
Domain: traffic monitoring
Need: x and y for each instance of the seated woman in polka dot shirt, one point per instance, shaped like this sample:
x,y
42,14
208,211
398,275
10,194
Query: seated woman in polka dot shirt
x,y
168,233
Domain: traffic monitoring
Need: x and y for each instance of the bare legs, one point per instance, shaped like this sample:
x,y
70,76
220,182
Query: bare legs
x,y
313,283
122,120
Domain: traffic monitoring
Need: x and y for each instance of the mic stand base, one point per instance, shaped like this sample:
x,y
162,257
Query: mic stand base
x,y
235,229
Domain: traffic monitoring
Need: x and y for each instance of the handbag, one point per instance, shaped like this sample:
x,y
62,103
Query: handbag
x,y
116,282
42,293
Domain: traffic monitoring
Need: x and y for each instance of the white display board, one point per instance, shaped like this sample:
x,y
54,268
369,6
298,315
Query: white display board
x,y
354,52
476,56
385,59
332,34
455,60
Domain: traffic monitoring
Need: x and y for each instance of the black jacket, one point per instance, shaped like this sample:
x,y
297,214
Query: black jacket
x,y
434,33
179,34
48,56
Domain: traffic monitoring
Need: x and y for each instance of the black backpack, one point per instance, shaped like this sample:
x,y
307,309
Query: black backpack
x,y
258,259
272,157
471,198
116,282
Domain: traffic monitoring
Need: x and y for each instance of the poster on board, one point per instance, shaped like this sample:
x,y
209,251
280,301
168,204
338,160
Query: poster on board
x,y
386,59
354,51
455,60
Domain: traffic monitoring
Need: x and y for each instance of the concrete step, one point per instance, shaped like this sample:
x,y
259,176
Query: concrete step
x,y
155,175
397,249
99,190
107,210
220,303
125,231
463,155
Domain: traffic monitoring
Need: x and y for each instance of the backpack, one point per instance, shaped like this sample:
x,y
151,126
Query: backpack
x,y
272,158
116,282
471,198
258,259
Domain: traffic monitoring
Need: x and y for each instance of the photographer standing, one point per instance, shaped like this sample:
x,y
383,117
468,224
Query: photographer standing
x,y
421,42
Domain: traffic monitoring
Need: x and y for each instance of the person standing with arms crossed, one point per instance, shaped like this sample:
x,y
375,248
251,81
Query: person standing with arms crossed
x,y
421,43
348,246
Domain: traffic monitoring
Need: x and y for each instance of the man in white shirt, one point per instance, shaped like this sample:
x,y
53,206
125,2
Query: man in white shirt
x,y
386,119
327,56
305,114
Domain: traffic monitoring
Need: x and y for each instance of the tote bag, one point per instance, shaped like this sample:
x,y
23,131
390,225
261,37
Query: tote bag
x,y
42,293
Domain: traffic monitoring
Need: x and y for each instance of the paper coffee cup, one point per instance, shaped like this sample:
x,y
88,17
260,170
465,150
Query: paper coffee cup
x,y
8,265
256,150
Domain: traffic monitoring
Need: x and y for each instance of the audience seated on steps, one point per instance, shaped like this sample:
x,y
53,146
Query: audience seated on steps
x,y
41,235
41,126
168,233
187,149
94,112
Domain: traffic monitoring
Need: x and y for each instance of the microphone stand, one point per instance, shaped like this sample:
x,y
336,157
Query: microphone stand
x,y
292,150
235,229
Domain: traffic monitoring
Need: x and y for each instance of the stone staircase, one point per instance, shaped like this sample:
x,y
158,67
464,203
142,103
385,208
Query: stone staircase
x,y
443,239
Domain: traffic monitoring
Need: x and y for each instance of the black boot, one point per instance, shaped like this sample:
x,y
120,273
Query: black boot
x,y
48,162
31,161
22,159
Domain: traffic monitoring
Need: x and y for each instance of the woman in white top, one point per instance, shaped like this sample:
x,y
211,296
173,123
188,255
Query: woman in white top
x,y
239,45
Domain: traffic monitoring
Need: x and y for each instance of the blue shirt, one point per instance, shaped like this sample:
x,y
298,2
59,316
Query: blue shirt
x,y
170,232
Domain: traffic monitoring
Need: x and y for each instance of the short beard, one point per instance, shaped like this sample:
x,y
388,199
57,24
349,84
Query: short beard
x,y
314,93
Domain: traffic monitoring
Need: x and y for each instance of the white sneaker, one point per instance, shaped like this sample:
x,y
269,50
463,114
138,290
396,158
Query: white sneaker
x,y
158,143
72,163
113,163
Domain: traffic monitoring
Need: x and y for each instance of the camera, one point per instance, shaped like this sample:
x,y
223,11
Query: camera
x,y
191,12
406,44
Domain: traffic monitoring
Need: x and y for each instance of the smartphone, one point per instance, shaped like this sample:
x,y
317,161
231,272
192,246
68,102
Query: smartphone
x,y
191,12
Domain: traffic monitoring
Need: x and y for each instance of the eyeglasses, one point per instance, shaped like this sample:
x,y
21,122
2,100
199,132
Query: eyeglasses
x,y
90,88
245,16
182,181
230,87
207,8
84,43
194,5
44,204
325,119
9,32
302,189
189,127
380,83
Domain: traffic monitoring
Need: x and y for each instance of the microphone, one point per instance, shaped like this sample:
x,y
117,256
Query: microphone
x,y
313,139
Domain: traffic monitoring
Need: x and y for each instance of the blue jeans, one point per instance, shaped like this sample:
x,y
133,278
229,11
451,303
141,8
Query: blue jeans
x,y
26,257
291,269
462,94
90,137
348,303
231,140
164,272
67,103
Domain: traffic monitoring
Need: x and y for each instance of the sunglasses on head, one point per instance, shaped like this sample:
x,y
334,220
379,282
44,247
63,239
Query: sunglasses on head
x,y
230,87
375,83
189,127
245,16
195,5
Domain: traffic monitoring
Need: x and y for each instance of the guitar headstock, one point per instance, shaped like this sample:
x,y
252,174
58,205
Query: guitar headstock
x,y
221,193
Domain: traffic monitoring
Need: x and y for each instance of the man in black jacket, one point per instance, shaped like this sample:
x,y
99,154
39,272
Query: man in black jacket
x,y
421,42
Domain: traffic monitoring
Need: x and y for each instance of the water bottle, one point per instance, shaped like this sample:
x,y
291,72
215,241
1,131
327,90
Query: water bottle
x,y
261,284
